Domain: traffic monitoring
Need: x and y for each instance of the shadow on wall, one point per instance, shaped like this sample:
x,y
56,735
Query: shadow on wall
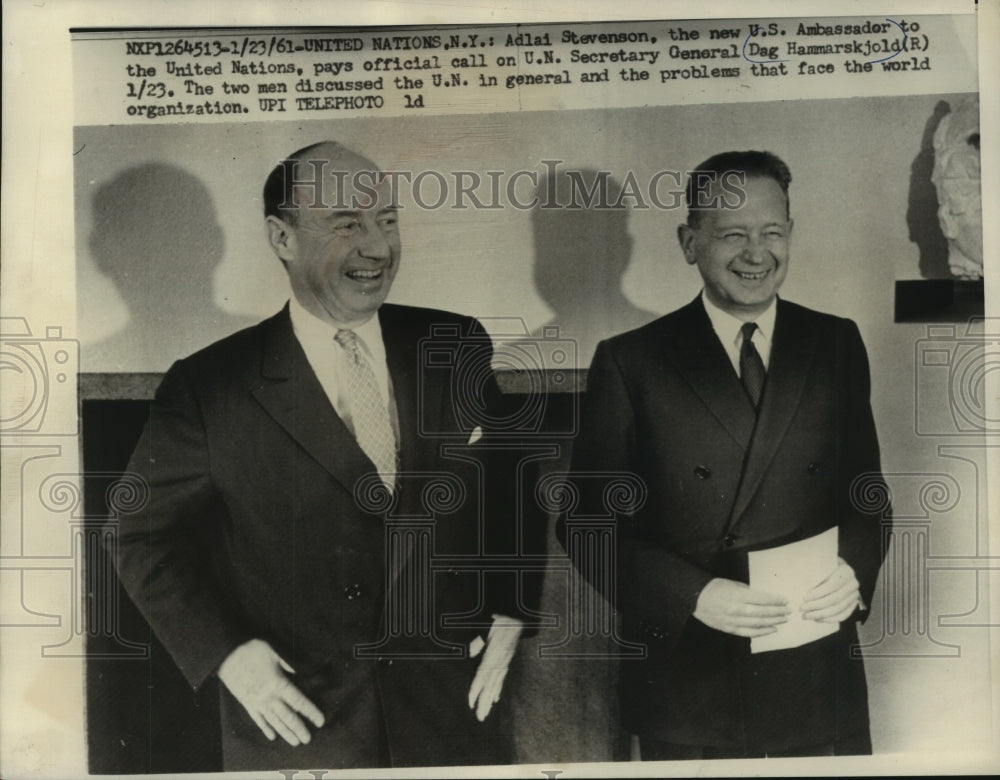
x,y
922,209
582,251
156,236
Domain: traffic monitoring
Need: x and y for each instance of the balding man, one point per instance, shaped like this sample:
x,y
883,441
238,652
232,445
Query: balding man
x,y
275,456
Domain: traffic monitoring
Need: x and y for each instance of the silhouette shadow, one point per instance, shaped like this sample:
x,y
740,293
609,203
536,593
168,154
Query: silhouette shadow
x,y
922,208
581,253
156,236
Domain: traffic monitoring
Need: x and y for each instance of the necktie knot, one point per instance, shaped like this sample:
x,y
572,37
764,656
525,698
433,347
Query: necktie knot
x,y
748,329
348,339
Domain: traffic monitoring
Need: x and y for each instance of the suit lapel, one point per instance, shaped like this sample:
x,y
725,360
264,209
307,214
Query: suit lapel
x,y
417,395
404,370
793,352
702,360
290,392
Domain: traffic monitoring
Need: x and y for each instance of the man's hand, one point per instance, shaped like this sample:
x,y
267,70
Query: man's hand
x,y
500,646
835,598
253,673
730,606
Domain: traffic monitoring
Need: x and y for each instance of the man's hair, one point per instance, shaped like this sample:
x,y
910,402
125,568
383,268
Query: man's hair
x,y
750,163
279,195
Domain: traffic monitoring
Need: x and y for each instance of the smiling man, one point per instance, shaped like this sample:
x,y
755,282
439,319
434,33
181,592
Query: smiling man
x,y
273,459
748,420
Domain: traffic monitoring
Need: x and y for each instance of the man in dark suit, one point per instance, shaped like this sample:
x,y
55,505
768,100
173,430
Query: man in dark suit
x,y
302,473
747,419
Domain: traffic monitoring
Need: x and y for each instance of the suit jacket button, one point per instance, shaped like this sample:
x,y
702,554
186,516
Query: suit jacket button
x,y
702,472
813,468
730,540
352,591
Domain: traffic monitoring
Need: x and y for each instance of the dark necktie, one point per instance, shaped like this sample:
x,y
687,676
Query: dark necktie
x,y
751,366
372,427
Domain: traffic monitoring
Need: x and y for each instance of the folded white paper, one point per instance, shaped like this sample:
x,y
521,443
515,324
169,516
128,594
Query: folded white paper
x,y
792,570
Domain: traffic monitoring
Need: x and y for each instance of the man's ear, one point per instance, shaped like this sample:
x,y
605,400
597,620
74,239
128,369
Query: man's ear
x,y
281,238
685,236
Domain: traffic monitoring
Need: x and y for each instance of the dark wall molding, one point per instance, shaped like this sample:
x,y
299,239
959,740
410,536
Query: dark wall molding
x,y
939,300
141,386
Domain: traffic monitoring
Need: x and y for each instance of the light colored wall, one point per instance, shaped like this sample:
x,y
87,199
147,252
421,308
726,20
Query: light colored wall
x,y
850,158
851,161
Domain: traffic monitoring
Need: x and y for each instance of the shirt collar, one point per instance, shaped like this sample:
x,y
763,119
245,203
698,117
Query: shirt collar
x,y
728,327
310,329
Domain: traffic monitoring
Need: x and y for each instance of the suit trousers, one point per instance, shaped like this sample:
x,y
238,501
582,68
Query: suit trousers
x,y
859,744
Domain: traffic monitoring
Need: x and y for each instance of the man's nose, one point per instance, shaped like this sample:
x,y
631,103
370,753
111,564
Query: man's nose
x,y
755,252
373,243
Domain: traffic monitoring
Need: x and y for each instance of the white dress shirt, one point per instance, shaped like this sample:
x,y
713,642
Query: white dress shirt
x,y
727,328
329,360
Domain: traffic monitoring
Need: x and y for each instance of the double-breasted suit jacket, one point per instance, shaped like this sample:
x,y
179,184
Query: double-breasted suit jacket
x,y
664,403
262,523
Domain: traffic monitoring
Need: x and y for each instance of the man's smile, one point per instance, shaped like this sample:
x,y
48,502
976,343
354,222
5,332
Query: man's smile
x,y
755,276
363,275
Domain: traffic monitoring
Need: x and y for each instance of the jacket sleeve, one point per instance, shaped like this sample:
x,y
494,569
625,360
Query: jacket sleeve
x,y
163,550
865,505
659,587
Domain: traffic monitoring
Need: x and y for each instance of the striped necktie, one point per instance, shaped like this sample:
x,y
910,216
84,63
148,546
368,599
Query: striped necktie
x,y
752,372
